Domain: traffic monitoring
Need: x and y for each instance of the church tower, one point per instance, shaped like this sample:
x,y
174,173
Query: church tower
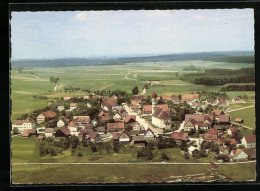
x,y
154,102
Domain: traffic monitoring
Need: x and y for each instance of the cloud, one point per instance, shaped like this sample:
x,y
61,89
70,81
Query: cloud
x,y
81,16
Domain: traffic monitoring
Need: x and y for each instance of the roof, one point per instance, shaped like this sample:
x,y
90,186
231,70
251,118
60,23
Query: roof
x,y
73,124
65,130
232,141
148,130
129,117
49,130
49,114
233,129
88,126
126,132
193,122
119,125
115,135
134,106
93,135
199,118
109,101
163,106
238,120
217,112
161,114
192,148
27,132
154,95
105,118
251,152
40,137
73,104
81,118
138,138
102,113
250,138
179,136
20,122
221,140
224,118
86,97
147,108
237,152
64,120
212,131
222,148
210,137
101,128
190,96
237,98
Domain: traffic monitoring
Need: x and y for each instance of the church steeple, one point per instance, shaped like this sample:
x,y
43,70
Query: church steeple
x,y
154,102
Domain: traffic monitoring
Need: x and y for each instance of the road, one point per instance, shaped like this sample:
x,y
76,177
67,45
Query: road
x,y
143,122
135,163
240,109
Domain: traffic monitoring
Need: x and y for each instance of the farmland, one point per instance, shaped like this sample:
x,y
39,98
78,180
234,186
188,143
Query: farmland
x,y
248,115
163,75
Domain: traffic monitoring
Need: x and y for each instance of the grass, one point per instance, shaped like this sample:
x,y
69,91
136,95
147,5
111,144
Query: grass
x,y
248,115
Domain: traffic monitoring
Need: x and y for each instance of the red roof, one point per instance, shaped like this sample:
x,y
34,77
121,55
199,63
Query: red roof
x,y
154,95
49,114
238,120
73,124
88,126
212,131
129,117
210,137
20,122
179,136
164,107
161,114
193,122
190,96
115,135
233,129
73,104
65,130
250,138
251,152
27,132
147,108
86,97
199,118
134,106
102,113
224,118
119,125
217,112
84,119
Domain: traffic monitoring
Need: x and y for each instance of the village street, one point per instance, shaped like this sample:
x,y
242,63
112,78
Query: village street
x,y
240,108
143,122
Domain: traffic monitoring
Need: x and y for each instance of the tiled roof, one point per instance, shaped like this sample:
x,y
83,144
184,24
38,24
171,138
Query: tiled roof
x,y
126,132
81,119
179,136
147,108
89,126
251,152
148,130
199,118
250,138
161,114
129,117
115,135
73,104
73,124
65,130
49,114
119,125
212,131
217,112
190,96
210,137
49,130
224,118
138,138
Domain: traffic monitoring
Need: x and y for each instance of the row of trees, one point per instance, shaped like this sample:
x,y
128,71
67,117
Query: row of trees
x,y
238,88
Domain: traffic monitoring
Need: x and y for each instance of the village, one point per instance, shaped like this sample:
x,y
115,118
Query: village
x,y
139,124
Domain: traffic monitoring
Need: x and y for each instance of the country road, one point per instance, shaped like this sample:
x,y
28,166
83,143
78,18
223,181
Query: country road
x,y
134,163
240,108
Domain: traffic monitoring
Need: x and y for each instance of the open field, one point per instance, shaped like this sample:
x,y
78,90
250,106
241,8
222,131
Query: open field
x,y
248,115
123,77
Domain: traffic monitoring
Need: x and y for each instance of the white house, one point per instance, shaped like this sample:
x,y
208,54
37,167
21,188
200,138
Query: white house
x,y
48,132
21,125
125,137
248,141
117,117
62,122
238,155
73,127
73,106
149,134
136,127
45,115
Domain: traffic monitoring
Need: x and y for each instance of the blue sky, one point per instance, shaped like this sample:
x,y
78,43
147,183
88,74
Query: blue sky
x,y
121,33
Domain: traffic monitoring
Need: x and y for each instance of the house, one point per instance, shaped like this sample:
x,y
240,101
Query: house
x,y
73,128
116,108
139,141
107,103
89,127
221,102
231,131
21,125
134,108
237,100
212,132
130,119
46,115
73,106
161,118
106,106
147,109
62,122
175,100
81,120
58,106
190,97
123,112
117,117
29,132
248,141
103,116
48,132
149,134
239,120
179,137
224,119
112,127
86,97
193,151
125,137
93,137
67,98
194,121
224,150
251,152
115,137
136,126
62,132
101,129
238,155
210,101
40,138
217,113
231,141
209,138
83,132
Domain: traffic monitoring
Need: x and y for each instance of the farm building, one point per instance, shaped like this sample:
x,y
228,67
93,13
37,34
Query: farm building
x,y
45,115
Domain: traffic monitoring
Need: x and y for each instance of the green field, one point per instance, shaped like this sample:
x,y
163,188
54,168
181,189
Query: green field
x,y
123,77
248,115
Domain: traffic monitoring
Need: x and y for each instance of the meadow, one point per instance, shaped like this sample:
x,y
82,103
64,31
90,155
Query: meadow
x,y
162,75
248,115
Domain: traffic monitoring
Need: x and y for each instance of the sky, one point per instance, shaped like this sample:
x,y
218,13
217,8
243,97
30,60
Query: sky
x,y
48,35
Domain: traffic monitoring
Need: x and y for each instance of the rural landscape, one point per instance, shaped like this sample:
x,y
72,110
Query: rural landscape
x,y
158,118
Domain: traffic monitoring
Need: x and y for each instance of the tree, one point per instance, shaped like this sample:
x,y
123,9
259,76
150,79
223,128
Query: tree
x,y
93,147
135,90
116,147
15,130
186,156
74,142
165,157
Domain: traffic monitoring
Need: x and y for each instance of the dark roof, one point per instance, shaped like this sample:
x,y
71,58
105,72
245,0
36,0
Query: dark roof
x,y
115,135
161,114
199,118
250,138
88,126
251,152
126,132
65,130
120,125
212,131
222,148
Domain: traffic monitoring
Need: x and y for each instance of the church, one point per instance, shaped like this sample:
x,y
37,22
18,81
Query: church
x,y
160,117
